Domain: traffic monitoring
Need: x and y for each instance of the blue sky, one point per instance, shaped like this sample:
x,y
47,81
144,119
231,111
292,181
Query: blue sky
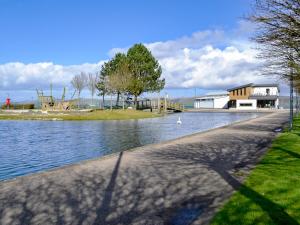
x,y
51,40
79,31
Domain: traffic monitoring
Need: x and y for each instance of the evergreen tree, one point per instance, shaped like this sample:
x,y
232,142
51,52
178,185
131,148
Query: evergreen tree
x,y
146,71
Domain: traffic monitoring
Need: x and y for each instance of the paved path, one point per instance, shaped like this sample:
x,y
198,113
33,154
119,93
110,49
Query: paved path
x,y
178,182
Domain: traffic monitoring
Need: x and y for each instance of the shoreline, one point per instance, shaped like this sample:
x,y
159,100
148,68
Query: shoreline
x,y
158,179
104,115
127,150
84,115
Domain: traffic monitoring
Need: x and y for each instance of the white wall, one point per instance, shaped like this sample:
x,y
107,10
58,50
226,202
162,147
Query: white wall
x,y
221,103
209,103
263,90
247,101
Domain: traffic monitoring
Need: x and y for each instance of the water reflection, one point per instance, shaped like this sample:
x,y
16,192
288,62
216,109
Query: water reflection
x,y
31,146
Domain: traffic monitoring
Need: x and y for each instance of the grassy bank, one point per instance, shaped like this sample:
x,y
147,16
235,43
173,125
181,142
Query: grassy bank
x,y
271,194
95,115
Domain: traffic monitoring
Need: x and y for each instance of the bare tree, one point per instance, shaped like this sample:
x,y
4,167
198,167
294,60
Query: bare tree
x,y
278,23
79,83
278,35
92,84
120,79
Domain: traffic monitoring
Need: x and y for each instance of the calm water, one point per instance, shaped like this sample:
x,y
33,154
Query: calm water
x,y
31,146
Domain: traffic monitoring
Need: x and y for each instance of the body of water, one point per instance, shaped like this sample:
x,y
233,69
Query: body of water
x,y
32,146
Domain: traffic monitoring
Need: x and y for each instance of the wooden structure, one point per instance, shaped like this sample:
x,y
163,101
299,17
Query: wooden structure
x,y
49,103
160,105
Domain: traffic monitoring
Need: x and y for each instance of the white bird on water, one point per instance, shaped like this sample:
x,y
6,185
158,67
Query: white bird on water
x,y
179,121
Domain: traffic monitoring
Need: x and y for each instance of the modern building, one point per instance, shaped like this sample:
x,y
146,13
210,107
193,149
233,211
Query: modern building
x,y
253,96
218,101
249,96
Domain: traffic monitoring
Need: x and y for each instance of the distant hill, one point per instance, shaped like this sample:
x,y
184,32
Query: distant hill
x,y
187,102
284,101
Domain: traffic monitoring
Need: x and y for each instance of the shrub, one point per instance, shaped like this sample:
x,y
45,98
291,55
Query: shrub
x,y
19,106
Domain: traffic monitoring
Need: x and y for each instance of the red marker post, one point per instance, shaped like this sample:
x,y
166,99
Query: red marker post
x,y
7,103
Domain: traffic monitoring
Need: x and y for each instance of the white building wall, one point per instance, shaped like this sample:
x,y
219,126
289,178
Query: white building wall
x,y
263,91
221,103
196,104
216,102
253,102
205,103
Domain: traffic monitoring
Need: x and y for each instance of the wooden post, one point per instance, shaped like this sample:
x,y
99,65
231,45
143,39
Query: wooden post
x,y
165,106
158,103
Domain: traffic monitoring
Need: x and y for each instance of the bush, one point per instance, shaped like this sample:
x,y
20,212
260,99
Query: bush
x,y
19,106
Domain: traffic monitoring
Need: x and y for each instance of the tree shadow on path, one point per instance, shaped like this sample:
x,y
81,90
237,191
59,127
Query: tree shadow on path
x,y
105,207
225,162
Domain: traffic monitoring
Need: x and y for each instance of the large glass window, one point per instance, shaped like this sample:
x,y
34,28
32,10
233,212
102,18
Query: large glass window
x,y
232,104
265,103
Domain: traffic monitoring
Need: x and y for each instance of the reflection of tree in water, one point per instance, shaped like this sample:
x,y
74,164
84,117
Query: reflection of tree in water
x,y
116,136
119,135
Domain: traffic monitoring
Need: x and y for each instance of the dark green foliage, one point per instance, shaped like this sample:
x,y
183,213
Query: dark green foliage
x,y
145,69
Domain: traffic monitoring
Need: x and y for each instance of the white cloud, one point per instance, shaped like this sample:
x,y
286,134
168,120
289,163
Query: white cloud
x,y
16,75
211,59
210,68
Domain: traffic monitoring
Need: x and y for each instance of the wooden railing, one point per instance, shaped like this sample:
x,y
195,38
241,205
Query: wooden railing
x,y
160,105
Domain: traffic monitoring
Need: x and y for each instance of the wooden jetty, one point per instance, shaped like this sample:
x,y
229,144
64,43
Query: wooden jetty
x,y
160,105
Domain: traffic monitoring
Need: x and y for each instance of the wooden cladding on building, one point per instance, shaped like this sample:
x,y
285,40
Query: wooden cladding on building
x,y
240,93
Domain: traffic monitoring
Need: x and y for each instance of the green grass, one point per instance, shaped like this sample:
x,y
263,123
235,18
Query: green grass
x,y
95,115
271,194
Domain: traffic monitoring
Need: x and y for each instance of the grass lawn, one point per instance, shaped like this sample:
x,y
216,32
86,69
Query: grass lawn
x,y
95,115
271,194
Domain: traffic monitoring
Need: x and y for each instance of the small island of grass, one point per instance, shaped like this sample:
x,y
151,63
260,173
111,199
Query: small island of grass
x,y
80,115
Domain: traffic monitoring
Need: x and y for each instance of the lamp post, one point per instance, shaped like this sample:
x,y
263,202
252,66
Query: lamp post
x,y
166,97
291,101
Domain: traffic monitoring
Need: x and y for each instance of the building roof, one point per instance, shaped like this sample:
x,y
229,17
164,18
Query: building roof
x,y
265,85
212,96
253,85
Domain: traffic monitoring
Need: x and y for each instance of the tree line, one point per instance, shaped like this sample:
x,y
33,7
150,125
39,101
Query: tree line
x,y
123,76
278,38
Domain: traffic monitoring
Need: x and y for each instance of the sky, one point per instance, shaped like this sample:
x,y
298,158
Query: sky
x,y
202,46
